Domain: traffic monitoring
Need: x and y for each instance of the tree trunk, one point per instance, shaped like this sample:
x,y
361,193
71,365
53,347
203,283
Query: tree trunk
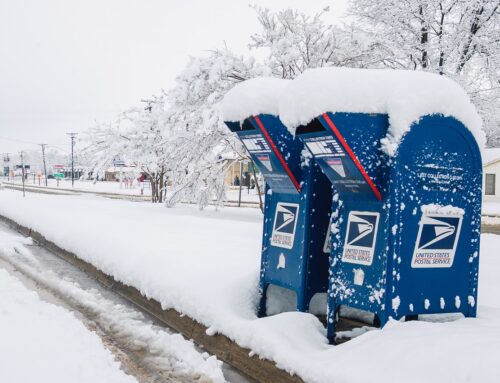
x,y
160,187
424,38
154,197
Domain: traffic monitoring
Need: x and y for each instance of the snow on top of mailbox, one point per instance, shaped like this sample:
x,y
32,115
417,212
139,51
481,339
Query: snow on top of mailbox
x,y
253,97
405,96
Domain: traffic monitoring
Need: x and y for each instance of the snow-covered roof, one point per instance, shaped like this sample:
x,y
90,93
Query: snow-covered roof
x,y
252,97
405,96
491,155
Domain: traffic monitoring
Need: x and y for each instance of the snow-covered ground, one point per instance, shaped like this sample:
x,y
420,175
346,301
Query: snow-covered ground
x,y
206,265
491,208
42,342
247,195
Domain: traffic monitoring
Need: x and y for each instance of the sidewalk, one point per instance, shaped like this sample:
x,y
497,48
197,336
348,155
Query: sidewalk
x,y
206,266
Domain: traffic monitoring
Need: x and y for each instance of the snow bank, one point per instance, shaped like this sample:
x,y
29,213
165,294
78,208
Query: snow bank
x,y
41,342
405,96
206,265
252,97
491,208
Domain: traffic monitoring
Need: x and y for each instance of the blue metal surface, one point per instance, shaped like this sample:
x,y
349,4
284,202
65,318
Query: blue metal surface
x,y
295,220
387,256
438,162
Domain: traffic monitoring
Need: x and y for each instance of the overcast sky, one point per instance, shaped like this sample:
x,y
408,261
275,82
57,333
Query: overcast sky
x,y
66,63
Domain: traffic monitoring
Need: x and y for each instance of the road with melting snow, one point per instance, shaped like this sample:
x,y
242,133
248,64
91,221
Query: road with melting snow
x,y
146,349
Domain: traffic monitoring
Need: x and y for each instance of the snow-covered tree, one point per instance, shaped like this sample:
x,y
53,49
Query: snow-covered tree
x,y
138,138
202,139
297,41
181,137
456,38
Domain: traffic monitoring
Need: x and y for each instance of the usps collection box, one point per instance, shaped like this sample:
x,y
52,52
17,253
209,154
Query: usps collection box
x,y
295,232
391,160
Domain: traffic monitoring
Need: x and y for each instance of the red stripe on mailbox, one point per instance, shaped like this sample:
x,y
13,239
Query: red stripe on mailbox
x,y
351,154
276,151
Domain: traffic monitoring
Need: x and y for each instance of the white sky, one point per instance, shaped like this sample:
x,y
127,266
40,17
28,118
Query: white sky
x,y
66,63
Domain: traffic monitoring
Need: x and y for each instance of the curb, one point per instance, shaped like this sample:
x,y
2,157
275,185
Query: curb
x,y
261,370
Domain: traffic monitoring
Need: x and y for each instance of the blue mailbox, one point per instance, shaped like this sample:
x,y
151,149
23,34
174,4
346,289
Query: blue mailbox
x,y
406,236
295,241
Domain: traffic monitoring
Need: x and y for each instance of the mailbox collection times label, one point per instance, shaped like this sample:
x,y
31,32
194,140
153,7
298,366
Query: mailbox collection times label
x,y
436,241
256,143
361,237
285,224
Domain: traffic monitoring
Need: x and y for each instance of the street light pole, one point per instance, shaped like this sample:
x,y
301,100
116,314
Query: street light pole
x,y
44,164
72,136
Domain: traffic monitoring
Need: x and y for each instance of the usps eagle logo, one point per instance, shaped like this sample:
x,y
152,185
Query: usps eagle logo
x,y
361,237
285,224
437,240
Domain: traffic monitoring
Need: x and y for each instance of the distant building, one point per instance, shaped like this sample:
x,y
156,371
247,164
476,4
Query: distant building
x,y
113,172
65,171
233,177
491,175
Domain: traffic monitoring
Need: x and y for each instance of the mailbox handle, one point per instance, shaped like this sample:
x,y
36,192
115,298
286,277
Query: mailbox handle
x,y
351,154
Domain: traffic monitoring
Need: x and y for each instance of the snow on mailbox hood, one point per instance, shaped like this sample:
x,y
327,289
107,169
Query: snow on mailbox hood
x,y
252,97
405,96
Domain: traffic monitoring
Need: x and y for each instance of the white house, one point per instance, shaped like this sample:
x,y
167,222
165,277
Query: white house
x,y
491,175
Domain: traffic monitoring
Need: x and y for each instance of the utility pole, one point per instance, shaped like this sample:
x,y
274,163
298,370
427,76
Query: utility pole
x,y
44,164
22,170
72,137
